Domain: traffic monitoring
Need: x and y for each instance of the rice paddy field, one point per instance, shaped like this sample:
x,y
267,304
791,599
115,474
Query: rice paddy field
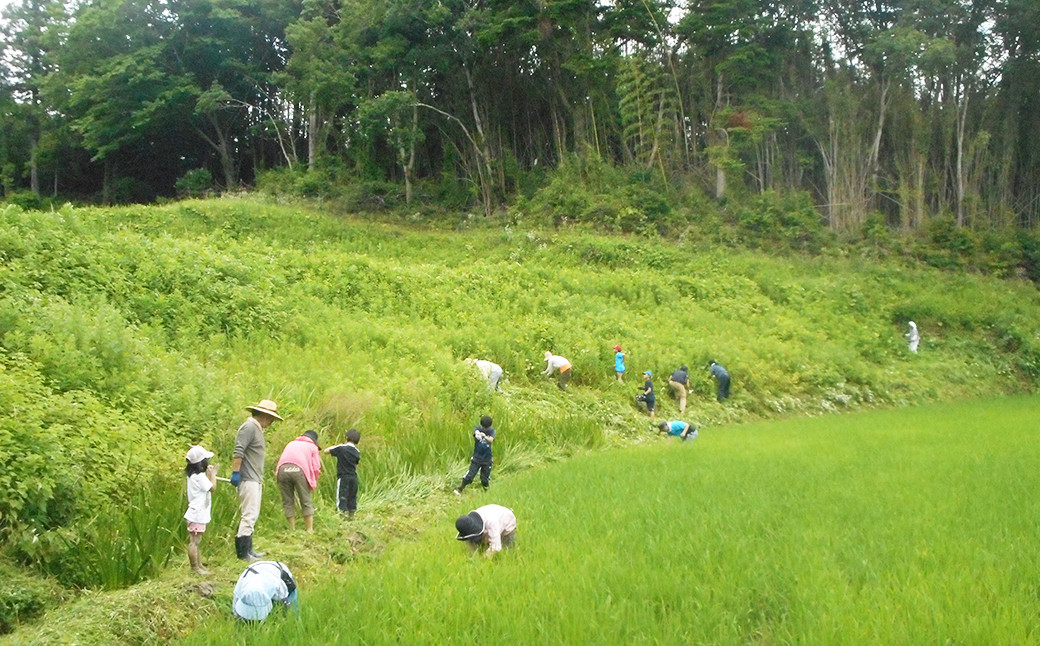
x,y
912,526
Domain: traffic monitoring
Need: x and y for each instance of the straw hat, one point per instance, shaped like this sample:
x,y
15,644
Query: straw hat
x,y
267,407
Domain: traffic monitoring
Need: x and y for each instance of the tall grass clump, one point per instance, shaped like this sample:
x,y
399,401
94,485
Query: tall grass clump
x,y
896,527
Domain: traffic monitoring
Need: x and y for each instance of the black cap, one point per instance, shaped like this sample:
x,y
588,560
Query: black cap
x,y
470,527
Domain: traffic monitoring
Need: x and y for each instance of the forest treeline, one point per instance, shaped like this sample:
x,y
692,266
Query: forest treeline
x,y
907,109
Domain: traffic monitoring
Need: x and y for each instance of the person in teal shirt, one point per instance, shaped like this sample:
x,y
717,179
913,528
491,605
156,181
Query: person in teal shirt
x,y
678,428
619,364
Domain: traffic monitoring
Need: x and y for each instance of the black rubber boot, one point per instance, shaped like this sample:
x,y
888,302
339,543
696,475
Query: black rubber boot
x,y
242,548
256,556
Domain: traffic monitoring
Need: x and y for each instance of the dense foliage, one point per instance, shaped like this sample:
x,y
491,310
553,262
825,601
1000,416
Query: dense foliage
x,y
904,109
128,334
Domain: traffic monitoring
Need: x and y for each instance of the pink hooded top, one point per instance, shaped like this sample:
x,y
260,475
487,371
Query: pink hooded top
x,y
303,452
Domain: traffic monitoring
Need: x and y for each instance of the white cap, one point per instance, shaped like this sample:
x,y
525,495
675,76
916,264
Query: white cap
x,y
198,454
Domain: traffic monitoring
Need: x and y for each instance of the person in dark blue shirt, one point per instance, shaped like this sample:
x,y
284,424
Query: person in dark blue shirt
x,y
347,458
680,383
481,461
647,394
722,376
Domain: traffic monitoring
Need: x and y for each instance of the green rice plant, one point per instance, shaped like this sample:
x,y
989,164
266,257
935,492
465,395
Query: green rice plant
x,y
895,527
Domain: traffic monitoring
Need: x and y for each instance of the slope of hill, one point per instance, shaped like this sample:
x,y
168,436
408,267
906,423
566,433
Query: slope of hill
x,y
128,334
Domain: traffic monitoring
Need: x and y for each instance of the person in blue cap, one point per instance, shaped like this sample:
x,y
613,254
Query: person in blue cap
x,y
260,586
646,395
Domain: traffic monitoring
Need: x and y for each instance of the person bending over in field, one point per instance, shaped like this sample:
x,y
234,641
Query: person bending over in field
x,y
263,583
297,474
482,461
490,525
553,363
680,384
647,396
722,376
491,371
678,428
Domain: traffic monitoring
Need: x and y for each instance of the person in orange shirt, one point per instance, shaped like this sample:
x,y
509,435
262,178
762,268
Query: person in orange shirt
x,y
553,363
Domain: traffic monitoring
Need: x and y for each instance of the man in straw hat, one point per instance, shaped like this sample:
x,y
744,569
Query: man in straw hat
x,y
248,473
491,525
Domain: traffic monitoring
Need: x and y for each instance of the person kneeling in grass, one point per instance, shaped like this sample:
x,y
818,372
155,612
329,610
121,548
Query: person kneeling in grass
x,y
491,525
678,428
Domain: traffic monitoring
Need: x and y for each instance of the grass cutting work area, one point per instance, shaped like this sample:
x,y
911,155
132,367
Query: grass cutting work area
x,y
915,526
849,491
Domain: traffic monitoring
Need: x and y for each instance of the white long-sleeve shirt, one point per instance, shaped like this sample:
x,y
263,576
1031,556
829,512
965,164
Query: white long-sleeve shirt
x,y
487,368
499,521
556,363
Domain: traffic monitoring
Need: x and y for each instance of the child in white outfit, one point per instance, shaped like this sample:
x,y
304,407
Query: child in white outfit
x,y
202,478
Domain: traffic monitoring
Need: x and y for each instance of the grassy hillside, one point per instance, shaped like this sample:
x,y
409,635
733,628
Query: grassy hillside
x,y
128,334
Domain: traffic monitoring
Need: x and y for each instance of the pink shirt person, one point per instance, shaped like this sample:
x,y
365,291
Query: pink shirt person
x,y
303,452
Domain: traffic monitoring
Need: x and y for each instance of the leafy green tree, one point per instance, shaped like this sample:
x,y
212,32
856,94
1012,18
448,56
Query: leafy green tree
x,y
319,73
31,30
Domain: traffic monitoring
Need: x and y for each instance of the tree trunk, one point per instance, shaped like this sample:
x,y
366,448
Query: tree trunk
x,y
312,132
34,172
106,185
484,155
227,165
962,116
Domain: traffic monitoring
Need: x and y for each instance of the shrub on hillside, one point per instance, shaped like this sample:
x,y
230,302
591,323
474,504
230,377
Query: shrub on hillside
x,y
278,182
947,246
195,183
30,201
1029,243
373,195
589,190
772,220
